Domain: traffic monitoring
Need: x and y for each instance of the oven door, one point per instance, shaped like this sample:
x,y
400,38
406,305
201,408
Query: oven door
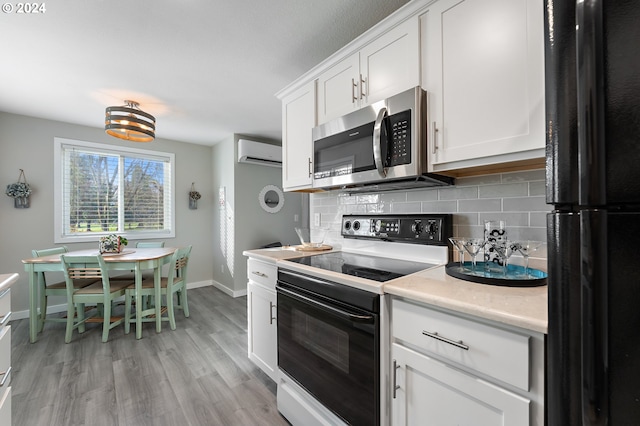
x,y
332,352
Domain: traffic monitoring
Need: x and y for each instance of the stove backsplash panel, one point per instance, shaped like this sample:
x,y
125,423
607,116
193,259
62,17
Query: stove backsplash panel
x,y
517,198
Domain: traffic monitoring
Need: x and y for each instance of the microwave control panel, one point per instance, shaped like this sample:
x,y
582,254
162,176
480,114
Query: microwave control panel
x,y
431,229
399,150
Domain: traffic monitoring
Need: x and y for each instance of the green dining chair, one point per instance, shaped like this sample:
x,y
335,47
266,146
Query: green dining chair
x,y
175,283
101,292
52,289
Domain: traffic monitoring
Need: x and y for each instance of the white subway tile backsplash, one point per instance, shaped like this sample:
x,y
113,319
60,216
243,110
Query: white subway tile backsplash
x,y
461,193
515,197
503,191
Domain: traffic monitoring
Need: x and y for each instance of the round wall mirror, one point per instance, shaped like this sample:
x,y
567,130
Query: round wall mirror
x,y
271,199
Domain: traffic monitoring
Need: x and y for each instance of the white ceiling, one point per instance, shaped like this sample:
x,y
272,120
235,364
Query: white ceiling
x,y
204,68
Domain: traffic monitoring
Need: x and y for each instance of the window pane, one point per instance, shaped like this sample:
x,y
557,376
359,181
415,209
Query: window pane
x,y
107,190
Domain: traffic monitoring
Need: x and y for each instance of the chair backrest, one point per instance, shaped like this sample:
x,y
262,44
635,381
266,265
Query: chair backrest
x,y
48,252
150,244
82,268
179,260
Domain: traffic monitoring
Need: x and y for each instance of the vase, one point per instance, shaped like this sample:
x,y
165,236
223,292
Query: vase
x,y
193,204
21,202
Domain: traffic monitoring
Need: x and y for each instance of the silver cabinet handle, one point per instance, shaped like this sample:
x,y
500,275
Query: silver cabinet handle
x,y
363,81
5,318
436,336
395,374
309,167
260,274
354,85
435,137
5,376
271,306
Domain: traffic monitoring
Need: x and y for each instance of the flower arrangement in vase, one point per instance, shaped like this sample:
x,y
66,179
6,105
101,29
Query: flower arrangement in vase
x,y
112,243
19,191
194,196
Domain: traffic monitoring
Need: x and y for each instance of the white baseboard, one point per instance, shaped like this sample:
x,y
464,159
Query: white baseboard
x,y
53,309
228,291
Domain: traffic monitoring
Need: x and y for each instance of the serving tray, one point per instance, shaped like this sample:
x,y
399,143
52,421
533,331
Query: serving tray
x,y
515,276
323,247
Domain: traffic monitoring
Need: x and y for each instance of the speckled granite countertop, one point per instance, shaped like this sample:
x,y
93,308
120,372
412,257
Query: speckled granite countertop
x,y
524,307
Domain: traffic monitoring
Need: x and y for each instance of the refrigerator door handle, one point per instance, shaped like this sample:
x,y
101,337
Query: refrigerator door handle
x,y
590,103
595,314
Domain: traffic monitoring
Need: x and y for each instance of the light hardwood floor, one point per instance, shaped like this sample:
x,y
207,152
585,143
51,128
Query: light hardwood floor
x,y
198,374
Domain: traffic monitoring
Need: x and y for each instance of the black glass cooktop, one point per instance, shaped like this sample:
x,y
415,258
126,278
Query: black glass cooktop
x,y
364,266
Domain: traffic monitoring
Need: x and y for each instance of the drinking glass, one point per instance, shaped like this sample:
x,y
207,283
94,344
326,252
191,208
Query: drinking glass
x,y
504,249
458,243
473,247
526,247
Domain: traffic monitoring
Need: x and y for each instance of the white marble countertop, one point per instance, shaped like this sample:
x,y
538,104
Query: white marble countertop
x,y
524,307
6,280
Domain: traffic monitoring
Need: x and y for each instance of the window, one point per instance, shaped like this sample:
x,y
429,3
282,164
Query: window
x,y
102,189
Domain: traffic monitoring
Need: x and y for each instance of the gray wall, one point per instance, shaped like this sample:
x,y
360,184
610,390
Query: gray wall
x,y
27,143
252,226
517,197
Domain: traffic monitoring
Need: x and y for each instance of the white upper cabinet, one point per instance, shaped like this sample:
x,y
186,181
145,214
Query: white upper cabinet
x,y
483,68
298,118
386,66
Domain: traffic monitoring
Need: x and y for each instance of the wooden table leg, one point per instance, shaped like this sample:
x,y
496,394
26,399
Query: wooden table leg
x,y
33,298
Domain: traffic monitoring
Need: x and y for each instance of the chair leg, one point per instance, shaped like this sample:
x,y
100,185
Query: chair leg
x,y
170,311
43,309
183,300
106,323
80,310
127,312
70,316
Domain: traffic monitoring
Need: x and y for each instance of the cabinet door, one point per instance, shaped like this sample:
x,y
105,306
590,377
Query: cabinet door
x,y
391,64
432,393
484,72
262,328
339,89
298,118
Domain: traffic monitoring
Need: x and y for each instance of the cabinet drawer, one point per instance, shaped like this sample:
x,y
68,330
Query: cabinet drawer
x,y
5,305
5,406
498,353
5,355
262,273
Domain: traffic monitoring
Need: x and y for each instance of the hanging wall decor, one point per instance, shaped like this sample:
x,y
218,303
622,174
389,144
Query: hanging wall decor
x,y
20,191
194,196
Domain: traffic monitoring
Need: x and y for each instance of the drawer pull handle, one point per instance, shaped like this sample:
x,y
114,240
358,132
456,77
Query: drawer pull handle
x,y
271,306
5,376
4,292
436,336
395,373
260,274
5,318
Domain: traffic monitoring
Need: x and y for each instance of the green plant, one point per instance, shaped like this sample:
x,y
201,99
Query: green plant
x,y
18,189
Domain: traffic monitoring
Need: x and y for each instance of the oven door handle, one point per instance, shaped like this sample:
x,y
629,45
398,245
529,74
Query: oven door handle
x,y
337,311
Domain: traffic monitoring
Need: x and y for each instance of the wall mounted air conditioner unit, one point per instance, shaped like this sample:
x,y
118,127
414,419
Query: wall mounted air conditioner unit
x,y
260,153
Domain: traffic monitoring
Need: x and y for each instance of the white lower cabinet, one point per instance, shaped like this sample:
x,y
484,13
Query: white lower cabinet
x,y
450,370
5,358
261,313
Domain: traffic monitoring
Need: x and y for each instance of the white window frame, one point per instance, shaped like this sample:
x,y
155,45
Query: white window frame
x,y
60,236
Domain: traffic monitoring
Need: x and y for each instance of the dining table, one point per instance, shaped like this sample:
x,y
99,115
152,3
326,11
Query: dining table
x,y
134,259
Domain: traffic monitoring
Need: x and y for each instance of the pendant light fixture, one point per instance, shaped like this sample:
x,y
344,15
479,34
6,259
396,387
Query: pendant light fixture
x,y
129,122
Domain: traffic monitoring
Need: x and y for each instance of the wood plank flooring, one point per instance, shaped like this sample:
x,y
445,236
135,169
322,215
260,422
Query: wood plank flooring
x,y
198,374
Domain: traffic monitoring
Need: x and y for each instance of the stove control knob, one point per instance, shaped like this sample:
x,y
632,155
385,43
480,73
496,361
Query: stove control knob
x,y
432,228
356,225
377,226
417,227
347,225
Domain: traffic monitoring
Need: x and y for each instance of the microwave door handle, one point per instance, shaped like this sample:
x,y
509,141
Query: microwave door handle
x,y
377,142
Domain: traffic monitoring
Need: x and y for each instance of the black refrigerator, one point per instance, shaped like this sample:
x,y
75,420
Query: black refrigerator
x,y
592,71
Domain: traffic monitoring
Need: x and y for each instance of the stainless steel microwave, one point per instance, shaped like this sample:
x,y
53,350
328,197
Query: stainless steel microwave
x,y
384,142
